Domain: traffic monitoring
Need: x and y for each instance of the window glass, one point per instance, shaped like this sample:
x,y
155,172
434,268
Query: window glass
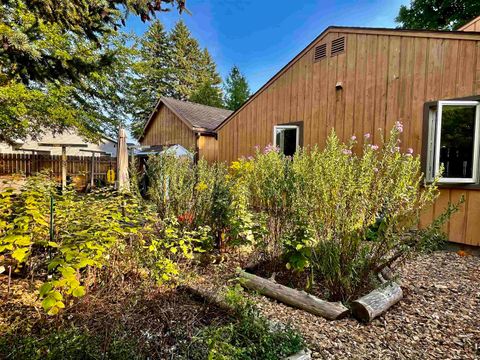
x,y
286,139
457,141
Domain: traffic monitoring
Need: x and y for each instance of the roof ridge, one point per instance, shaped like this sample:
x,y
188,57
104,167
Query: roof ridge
x,y
194,103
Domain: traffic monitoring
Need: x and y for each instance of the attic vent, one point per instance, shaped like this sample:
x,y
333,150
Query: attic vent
x,y
320,52
338,46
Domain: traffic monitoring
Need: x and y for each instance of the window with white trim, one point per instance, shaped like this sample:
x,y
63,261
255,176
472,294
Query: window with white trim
x,y
453,142
287,138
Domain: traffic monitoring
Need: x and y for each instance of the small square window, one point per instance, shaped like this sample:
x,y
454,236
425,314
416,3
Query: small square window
x,y
286,137
453,141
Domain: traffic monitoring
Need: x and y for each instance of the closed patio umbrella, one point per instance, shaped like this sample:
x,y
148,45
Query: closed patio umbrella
x,y
123,183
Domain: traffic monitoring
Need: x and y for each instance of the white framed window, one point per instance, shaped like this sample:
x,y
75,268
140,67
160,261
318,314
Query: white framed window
x,y
453,141
287,138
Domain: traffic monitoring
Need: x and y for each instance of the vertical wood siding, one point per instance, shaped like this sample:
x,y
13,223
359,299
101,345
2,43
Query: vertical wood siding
x,y
385,77
208,148
167,129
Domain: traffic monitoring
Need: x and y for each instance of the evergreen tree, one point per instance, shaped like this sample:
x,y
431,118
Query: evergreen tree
x,y
62,64
172,65
208,94
437,14
236,89
151,75
185,59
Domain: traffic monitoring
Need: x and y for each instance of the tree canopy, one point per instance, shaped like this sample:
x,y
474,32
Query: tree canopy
x,y
236,89
63,64
437,14
170,64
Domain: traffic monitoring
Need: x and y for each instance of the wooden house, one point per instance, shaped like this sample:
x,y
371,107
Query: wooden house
x,y
191,125
358,80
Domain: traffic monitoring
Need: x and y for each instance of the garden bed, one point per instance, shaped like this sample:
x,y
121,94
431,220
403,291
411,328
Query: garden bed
x,y
437,318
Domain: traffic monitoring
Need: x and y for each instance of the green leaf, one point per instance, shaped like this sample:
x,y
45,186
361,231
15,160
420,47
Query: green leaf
x,y
48,303
79,291
45,289
20,254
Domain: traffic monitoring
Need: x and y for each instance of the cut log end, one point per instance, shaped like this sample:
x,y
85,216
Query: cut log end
x,y
376,302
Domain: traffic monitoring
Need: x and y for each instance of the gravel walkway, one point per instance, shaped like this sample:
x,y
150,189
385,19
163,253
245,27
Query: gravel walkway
x,y
439,317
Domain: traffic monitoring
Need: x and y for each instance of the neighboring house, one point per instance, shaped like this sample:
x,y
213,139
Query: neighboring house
x,y
357,80
175,122
67,137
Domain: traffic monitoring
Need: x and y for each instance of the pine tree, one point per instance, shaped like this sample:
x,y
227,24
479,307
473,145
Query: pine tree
x,y
208,94
151,76
236,89
185,57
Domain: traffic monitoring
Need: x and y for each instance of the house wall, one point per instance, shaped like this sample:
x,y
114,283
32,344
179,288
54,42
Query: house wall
x,y
385,77
68,137
473,25
208,148
167,129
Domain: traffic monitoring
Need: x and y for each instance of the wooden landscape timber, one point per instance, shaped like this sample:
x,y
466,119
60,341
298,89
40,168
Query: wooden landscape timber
x,y
293,297
378,301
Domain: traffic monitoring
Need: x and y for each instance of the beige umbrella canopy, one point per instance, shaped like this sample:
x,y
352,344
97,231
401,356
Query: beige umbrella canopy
x,y
123,182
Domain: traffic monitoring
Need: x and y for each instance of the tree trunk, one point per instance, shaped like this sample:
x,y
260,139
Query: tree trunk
x,y
292,297
377,302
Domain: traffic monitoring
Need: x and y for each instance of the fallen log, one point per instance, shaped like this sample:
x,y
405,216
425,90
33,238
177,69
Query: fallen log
x,y
208,296
293,297
370,306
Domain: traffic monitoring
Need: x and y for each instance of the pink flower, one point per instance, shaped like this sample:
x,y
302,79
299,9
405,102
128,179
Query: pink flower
x,y
399,126
347,151
250,158
367,136
353,138
269,148
410,151
375,170
257,147
374,147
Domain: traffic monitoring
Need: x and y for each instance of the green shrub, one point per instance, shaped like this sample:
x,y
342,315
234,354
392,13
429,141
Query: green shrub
x,y
249,336
343,213
88,230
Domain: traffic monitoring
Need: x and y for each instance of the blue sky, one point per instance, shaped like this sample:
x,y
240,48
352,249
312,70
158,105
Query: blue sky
x,y
261,36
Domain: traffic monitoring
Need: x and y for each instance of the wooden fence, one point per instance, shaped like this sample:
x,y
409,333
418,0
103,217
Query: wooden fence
x,y
78,167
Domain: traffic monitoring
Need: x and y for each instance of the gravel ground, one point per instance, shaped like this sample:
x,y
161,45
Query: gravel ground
x,y
438,318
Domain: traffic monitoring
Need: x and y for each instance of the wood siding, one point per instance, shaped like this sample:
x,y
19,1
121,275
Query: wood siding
x,y
384,77
208,148
473,25
168,129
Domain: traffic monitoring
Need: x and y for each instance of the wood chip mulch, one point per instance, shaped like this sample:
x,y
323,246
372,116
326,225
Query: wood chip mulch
x,y
438,318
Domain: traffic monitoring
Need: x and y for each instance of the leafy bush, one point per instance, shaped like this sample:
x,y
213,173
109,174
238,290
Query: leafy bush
x,y
343,213
88,229
249,336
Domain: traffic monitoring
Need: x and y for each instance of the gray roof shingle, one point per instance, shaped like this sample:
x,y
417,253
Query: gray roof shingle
x,y
200,116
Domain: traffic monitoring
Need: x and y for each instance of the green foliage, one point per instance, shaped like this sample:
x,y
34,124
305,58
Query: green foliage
x,y
55,79
68,344
341,214
437,15
170,64
236,89
208,94
433,237
250,336
88,229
